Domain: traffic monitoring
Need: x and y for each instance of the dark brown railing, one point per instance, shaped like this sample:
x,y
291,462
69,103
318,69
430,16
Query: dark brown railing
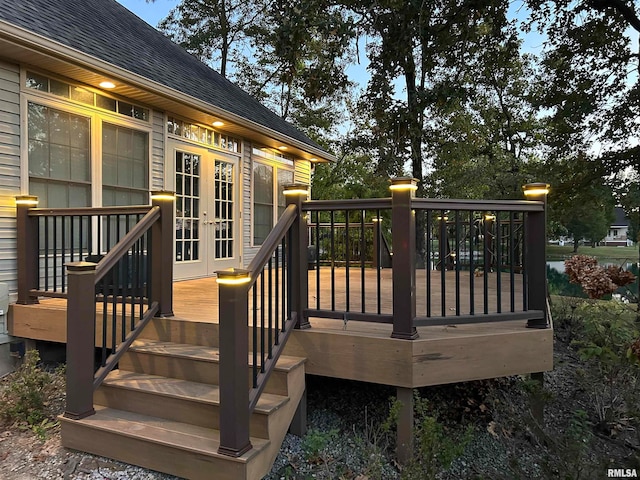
x,y
471,260
268,289
56,237
119,268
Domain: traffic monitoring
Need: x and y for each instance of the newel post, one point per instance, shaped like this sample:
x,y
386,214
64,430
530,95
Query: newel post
x,y
233,308
81,310
162,253
403,225
27,229
536,243
296,194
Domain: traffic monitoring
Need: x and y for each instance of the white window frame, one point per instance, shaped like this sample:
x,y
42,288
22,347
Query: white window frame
x,y
97,118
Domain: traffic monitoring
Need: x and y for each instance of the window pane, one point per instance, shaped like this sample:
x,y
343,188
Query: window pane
x,y
125,168
59,88
263,183
106,103
37,82
81,95
59,157
285,177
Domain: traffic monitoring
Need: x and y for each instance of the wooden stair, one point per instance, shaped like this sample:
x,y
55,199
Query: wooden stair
x,y
160,410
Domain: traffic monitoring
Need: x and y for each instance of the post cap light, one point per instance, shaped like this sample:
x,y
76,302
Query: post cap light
x,y
533,189
296,189
28,200
404,183
233,276
489,217
163,195
376,219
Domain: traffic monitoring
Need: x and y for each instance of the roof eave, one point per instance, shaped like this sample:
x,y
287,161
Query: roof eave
x,y
63,52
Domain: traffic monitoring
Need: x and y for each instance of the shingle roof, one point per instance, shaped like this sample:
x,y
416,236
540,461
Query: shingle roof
x,y
106,30
621,217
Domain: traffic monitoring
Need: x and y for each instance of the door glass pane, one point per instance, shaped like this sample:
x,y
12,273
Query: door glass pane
x,y
224,221
187,167
285,177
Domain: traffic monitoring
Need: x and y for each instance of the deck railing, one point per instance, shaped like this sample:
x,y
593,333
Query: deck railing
x,y
270,289
119,269
52,237
454,261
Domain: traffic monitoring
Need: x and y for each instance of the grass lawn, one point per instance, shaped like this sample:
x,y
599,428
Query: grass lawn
x,y
556,252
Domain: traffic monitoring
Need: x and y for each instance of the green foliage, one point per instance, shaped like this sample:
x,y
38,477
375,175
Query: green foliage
x,y
435,445
28,399
608,330
316,442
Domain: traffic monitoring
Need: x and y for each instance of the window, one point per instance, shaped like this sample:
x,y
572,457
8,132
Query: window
x,y
79,94
200,134
59,157
125,171
263,198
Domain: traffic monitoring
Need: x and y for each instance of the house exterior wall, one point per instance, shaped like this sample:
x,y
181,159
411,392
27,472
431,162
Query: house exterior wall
x,y
158,142
9,174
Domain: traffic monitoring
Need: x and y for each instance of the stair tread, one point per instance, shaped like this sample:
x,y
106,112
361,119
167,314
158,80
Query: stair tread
x,y
184,389
166,432
198,352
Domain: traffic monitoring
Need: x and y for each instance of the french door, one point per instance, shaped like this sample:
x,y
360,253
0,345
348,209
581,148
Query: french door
x,y
207,212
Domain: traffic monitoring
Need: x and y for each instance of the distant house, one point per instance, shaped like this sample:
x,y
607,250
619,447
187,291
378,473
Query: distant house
x,y
97,108
619,230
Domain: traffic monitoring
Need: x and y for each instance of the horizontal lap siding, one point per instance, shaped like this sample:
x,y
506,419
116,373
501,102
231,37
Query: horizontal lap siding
x,y
248,251
157,151
9,174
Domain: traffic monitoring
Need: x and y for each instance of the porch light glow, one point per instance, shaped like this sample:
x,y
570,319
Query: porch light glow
x,y
30,200
218,123
107,85
403,187
233,277
161,195
296,191
533,189
282,147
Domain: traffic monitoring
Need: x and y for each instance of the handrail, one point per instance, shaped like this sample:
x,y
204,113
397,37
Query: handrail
x,y
122,247
73,212
272,241
454,204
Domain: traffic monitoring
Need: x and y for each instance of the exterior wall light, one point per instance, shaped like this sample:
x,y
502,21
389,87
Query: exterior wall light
x,y
28,200
233,276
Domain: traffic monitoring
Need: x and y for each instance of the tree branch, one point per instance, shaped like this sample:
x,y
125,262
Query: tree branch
x,y
621,7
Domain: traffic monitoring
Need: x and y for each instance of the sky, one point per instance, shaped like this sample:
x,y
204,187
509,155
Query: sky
x,y
150,12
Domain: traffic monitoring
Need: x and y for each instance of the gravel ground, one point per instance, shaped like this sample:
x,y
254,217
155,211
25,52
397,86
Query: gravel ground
x,y
346,440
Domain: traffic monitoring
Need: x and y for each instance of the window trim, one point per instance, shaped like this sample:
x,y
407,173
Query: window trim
x,y
97,117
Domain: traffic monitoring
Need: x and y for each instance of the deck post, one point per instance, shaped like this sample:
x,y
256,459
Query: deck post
x,y
81,327
233,311
27,249
295,194
404,449
403,225
162,234
536,243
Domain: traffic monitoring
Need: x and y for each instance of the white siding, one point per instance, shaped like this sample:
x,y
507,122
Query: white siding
x,y
157,151
303,172
9,174
248,251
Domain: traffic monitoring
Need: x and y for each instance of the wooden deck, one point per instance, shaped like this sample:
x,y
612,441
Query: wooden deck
x,y
359,350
